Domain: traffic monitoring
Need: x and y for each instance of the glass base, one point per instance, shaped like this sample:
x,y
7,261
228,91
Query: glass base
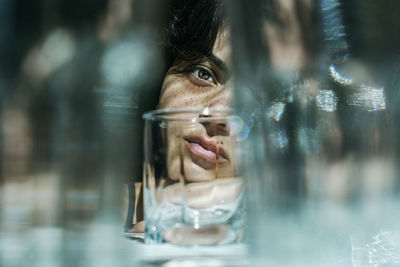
x,y
153,235
187,235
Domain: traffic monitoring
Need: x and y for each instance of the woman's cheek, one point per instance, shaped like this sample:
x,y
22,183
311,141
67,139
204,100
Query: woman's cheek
x,y
173,93
185,91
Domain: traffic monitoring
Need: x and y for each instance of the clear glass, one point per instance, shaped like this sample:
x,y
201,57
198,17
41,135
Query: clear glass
x,y
321,159
193,191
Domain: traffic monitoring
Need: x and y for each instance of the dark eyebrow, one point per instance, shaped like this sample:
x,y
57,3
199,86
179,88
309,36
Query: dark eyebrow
x,y
219,63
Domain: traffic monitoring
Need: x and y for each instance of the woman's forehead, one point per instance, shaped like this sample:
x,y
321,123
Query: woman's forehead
x,y
222,46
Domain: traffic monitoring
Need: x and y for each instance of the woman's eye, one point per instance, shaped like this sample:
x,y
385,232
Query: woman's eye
x,y
203,74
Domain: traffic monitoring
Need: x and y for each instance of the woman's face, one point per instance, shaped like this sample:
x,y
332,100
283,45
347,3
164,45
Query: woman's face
x,y
202,82
200,151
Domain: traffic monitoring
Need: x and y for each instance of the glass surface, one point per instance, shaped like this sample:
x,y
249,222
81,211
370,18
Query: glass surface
x,y
193,192
321,158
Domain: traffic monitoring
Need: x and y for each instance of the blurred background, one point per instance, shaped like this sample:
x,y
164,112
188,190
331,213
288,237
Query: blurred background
x,y
317,88
68,108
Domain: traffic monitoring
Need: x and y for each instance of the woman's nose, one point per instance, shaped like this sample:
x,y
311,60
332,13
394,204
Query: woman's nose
x,y
215,127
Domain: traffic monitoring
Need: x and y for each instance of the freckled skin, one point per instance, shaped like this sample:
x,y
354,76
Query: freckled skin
x,y
184,90
179,92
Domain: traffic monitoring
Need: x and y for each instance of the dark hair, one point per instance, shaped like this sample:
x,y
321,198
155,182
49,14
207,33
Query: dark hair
x,y
192,28
189,32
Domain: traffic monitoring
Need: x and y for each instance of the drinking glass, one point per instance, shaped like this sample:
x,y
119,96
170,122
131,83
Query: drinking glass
x,y
193,191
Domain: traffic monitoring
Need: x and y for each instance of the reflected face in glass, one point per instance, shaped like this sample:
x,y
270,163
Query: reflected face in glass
x,y
201,151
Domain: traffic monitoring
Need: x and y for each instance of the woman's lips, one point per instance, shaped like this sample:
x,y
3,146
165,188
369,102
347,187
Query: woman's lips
x,y
206,150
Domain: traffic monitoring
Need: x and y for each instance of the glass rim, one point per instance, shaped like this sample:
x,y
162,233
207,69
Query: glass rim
x,y
170,113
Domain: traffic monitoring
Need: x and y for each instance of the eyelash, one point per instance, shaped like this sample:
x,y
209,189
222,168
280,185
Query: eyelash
x,y
195,70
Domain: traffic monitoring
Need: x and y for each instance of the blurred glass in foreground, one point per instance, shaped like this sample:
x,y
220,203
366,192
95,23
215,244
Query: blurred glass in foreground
x,y
70,89
322,170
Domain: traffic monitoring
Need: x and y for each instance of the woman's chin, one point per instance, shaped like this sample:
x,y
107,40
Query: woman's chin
x,y
195,172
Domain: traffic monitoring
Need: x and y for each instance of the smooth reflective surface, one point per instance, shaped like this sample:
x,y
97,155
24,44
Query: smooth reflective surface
x,y
321,159
193,191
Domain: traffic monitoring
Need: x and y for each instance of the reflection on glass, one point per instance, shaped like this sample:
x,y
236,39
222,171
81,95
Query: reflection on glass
x,y
193,194
320,162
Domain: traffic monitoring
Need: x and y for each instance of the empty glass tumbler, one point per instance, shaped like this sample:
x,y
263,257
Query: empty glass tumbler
x,y
193,192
